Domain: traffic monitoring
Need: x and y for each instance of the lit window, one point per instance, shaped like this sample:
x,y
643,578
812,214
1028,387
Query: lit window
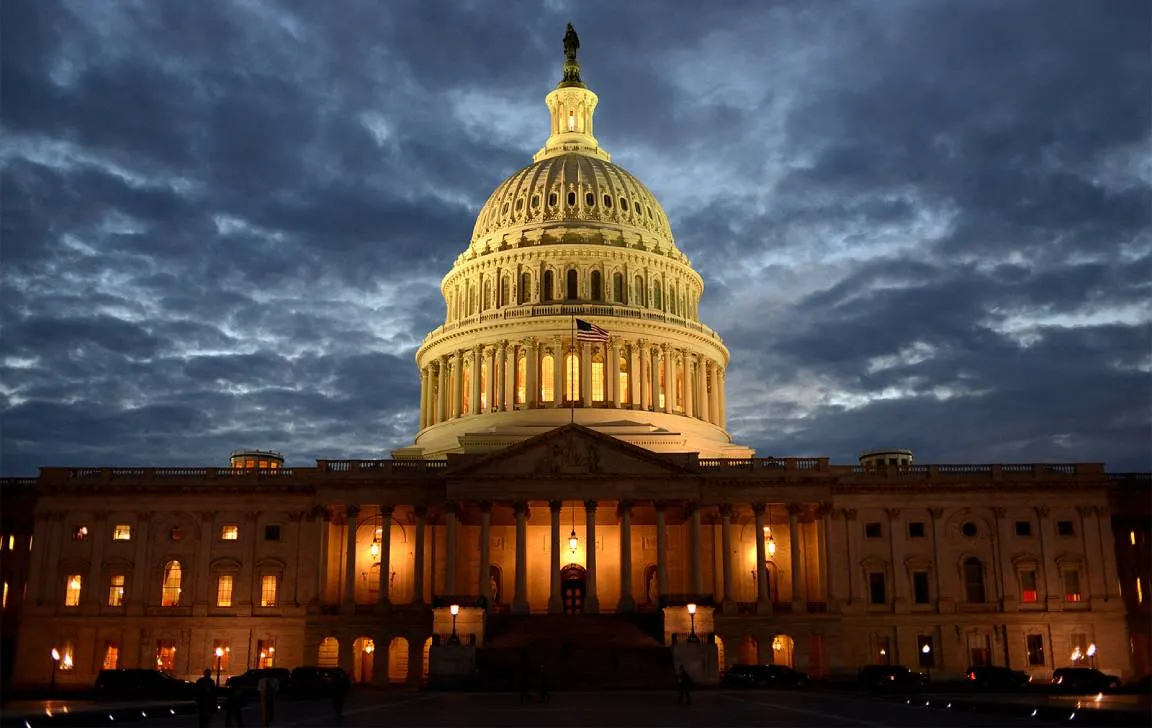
x,y
598,381
122,532
268,586
1131,538
571,121
660,396
466,389
547,378
111,656
223,649
1139,590
229,532
521,379
72,593
170,593
12,543
224,590
1028,591
4,601
484,385
572,377
624,381
79,533
165,655
67,659
116,591
266,651
1072,585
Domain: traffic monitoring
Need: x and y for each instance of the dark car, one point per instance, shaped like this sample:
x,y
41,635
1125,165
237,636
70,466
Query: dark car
x,y
991,677
317,682
247,681
763,676
1083,680
882,678
140,684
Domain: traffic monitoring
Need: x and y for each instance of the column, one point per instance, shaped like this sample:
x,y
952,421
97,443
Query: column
x,y
695,573
643,375
457,384
558,372
635,375
586,373
661,552
687,374
475,359
714,395
627,602
324,531
352,513
385,573
532,372
442,396
418,556
1105,538
591,599
484,573
555,605
93,589
900,599
450,526
520,600
495,376
657,363
721,400
764,604
703,409
669,362
612,372
508,367
999,552
423,397
726,561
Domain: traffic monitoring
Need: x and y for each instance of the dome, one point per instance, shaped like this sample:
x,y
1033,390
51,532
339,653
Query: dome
x,y
568,189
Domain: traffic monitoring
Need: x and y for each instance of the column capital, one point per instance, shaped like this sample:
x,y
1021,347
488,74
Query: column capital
x,y
691,507
641,342
758,508
614,342
999,511
502,345
850,514
452,507
387,510
485,506
936,513
1042,511
794,509
555,506
421,511
893,513
1085,511
624,507
528,342
660,505
726,510
521,508
351,510
590,505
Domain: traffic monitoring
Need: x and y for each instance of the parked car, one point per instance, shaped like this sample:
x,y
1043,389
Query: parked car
x,y
248,680
1083,680
141,684
992,677
318,682
763,676
882,678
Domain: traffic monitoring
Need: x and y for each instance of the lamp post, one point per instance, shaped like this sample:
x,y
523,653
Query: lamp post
x,y
219,661
55,667
455,610
1092,653
927,651
692,614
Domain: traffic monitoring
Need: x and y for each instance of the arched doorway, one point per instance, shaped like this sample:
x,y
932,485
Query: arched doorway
x,y
329,653
783,650
398,660
749,651
573,585
364,650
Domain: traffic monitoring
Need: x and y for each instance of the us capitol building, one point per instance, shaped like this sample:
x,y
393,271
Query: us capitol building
x,y
573,499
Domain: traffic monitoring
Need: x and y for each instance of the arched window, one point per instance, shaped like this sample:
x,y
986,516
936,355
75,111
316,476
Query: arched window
x,y
547,293
656,298
471,299
484,385
571,377
618,288
573,288
597,287
672,301
974,580
525,288
547,378
466,395
504,284
624,399
521,378
486,301
598,376
638,296
170,590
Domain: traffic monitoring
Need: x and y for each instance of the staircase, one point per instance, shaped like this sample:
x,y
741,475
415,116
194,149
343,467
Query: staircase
x,y
578,652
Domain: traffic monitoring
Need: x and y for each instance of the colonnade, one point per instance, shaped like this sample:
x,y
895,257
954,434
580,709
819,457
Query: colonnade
x,y
510,375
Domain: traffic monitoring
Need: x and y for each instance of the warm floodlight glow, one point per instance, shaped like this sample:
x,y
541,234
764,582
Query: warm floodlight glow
x,y
374,549
219,651
1092,649
454,609
771,547
573,542
691,608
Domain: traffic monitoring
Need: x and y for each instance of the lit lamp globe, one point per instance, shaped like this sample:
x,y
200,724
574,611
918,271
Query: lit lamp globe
x,y
692,614
454,639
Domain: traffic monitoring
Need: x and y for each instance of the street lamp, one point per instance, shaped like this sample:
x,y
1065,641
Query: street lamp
x,y
219,660
927,651
55,667
455,610
692,614
1092,653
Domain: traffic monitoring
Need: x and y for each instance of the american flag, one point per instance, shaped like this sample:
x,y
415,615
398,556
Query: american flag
x,y
590,332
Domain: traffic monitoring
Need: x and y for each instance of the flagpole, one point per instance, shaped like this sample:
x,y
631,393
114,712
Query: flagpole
x,y
568,373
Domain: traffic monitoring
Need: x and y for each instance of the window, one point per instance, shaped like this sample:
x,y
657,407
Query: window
x,y
1072,585
268,584
552,199
547,293
1035,647
1131,539
266,653
571,199
883,651
466,391
1065,528
618,288
974,580
525,289
72,591
272,533
608,202
572,377
67,658
170,591
224,590
1139,590
920,594
225,651
597,286
1023,528
598,379
329,655
624,204
229,532
873,530
116,590
176,533
80,533
572,285
638,292
111,656
521,379
589,199
624,386
927,657
968,529
547,378
876,593
165,655
484,385
916,529
1028,591
12,542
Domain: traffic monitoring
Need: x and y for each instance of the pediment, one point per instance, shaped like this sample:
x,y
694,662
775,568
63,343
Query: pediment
x,y
571,450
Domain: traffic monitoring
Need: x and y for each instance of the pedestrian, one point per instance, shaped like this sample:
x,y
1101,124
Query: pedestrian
x,y
340,688
234,706
544,696
267,687
204,693
685,696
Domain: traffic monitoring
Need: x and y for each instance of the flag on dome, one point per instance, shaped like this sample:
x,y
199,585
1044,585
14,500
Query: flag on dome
x,y
586,331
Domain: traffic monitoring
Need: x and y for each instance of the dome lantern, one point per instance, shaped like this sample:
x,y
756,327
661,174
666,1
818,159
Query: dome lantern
x,y
571,105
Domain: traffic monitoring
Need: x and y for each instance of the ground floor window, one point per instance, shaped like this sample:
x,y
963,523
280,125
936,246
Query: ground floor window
x,y
1035,647
166,655
111,656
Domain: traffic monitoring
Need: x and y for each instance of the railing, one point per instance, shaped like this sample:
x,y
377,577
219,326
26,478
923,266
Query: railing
x,y
369,466
153,473
755,464
513,313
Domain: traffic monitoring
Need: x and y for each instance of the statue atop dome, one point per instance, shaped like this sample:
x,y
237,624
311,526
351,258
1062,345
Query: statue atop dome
x,y
571,75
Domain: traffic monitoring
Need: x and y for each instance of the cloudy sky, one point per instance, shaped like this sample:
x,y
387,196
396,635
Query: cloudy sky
x,y
921,224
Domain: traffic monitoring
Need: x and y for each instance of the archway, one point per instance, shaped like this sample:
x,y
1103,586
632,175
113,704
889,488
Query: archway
x,y
573,584
783,650
363,665
749,651
398,660
329,653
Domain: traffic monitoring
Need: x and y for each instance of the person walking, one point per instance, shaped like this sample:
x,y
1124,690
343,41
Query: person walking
x,y
204,693
267,687
685,680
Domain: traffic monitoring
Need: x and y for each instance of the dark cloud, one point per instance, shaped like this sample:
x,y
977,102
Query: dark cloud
x,y
920,223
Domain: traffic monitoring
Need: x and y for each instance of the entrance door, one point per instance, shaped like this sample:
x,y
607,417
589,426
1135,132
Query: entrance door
x,y
572,587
